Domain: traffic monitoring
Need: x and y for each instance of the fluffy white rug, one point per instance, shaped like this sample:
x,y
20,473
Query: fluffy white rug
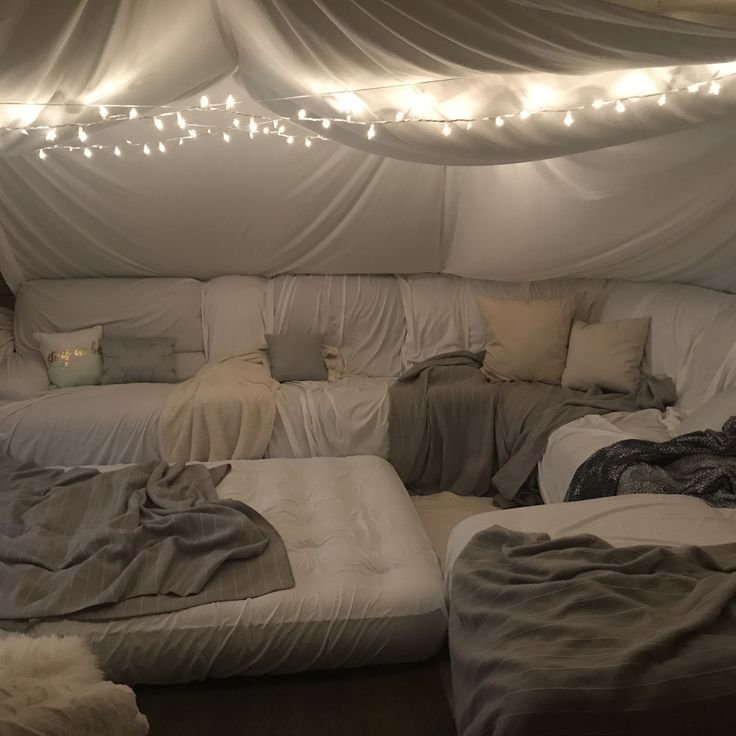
x,y
52,686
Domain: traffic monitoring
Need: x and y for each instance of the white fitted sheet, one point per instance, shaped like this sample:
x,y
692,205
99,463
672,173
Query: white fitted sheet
x,y
368,584
621,520
572,444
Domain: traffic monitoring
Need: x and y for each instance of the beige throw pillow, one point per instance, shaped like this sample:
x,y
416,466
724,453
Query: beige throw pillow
x,y
527,338
607,355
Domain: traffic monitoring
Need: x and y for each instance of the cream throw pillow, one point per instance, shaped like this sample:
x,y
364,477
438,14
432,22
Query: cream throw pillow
x,y
527,338
607,355
72,358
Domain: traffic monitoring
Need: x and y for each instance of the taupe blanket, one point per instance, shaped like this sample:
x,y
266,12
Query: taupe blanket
x,y
144,539
573,636
452,430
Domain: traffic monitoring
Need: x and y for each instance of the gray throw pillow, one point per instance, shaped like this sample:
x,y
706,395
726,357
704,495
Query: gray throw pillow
x,y
296,356
138,360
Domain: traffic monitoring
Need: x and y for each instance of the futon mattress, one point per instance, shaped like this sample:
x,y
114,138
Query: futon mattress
x,y
368,587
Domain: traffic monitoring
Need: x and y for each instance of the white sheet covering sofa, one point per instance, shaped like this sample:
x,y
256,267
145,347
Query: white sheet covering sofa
x,y
382,324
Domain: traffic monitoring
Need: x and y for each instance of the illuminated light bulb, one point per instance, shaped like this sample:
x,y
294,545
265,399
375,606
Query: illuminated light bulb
x,y
117,151
348,117
662,100
104,112
236,122
204,101
82,134
290,139
371,132
399,116
569,119
524,114
146,149
229,102
275,124
253,126
301,114
181,141
42,154
469,125
24,131
307,143
693,87
51,135
598,104
446,129
88,152
158,123
192,133
266,130
714,88
161,147
282,128
133,113
209,131
180,120
499,122
226,137
620,107
325,123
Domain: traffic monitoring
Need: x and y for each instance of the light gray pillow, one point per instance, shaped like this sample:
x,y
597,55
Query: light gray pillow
x,y
711,415
138,360
296,356
607,354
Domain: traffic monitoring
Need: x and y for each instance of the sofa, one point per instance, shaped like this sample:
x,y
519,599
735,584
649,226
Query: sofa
x,y
382,326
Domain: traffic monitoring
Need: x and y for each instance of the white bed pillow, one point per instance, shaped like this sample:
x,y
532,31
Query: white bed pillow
x,y
711,415
607,354
72,358
527,338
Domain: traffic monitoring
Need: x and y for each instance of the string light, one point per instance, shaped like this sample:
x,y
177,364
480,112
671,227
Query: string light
x,y
266,124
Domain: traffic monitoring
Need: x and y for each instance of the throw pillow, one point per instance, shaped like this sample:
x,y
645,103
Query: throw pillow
x,y
138,360
607,355
527,338
296,356
711,415
72,358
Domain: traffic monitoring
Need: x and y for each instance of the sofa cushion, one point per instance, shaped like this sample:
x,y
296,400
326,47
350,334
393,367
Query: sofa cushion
x,y
711,415
361,315
296,356
138,360
606,354
527,338
72,358
87,425
143,307
336,419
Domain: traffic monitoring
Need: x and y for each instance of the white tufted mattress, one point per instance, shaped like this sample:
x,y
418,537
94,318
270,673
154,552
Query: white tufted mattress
x,y
368,584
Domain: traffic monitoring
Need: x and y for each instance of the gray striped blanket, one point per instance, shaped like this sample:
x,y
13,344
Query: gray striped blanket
x,y
452,430
573,636
144,539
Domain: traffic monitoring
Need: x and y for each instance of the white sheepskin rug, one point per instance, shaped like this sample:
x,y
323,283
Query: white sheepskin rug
x,y
52,686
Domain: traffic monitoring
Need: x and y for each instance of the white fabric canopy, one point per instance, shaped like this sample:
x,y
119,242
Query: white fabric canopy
x,y
575,204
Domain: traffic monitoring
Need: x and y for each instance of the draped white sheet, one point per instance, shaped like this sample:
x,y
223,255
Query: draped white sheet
x,y
662,208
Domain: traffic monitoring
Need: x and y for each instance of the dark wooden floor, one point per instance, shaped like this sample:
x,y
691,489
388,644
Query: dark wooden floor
x,y
400,700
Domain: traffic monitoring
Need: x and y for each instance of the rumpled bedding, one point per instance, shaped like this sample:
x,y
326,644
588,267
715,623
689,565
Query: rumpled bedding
x,y
452,430
701,464
574,636
226,411
143,539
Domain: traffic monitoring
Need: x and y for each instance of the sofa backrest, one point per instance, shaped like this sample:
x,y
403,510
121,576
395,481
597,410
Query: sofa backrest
x,y
147,307
692,330
362,315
